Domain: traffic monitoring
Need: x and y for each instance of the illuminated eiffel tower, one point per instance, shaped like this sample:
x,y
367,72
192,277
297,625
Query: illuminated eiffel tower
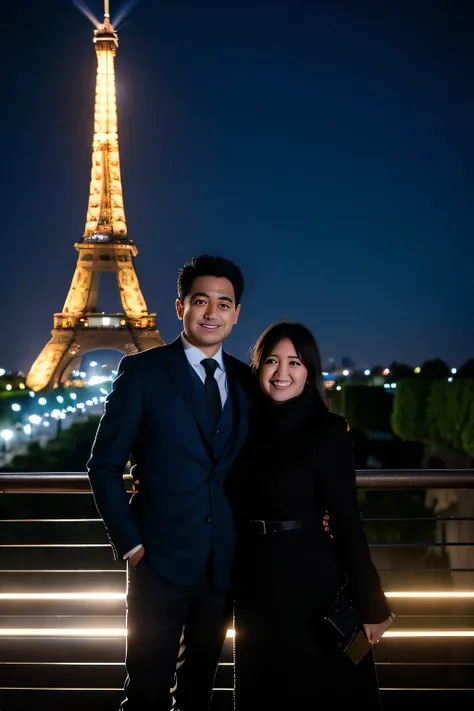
x,y
105,247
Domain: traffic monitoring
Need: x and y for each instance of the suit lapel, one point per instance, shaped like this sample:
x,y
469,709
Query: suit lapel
x,y
179,370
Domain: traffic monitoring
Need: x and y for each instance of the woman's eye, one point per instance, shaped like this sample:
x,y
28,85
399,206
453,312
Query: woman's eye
x,y
270,361
295,362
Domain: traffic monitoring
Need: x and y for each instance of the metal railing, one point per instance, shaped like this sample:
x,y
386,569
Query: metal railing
x,y
62,597
382,479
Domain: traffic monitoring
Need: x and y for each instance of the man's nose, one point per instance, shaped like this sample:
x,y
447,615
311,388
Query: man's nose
x,y
211,310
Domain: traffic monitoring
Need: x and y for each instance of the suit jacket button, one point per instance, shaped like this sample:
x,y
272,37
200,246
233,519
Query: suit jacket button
x,y
217,432
208,519
215,478
216,455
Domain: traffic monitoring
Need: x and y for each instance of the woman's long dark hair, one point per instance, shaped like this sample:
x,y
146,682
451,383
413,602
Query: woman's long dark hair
x,y
306,349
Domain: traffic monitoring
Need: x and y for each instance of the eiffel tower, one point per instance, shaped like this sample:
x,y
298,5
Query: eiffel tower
x,y
104,247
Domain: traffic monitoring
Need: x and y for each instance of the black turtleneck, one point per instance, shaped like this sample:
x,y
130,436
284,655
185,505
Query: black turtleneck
x,y
298,463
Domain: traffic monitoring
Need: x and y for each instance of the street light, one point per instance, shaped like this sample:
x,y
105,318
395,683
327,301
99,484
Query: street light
x,y
6,435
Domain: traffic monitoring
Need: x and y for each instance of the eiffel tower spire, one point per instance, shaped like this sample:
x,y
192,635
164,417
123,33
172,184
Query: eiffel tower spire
x,y
104,247
105,214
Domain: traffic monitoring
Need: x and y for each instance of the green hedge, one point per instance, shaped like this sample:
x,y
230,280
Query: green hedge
x,y
367,408
409,409
436,411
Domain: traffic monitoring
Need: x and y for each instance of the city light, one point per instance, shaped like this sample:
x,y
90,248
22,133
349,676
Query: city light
x,y
417,369
386,371
98,379
42,401
16,407
367,372
27,429
60,398
32,394
345,372
8,387
34,419
2,372
22,386
73,396
6,435
454,371
93,363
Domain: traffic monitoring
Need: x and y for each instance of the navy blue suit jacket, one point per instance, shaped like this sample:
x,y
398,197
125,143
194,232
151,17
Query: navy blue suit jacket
x,y
181,512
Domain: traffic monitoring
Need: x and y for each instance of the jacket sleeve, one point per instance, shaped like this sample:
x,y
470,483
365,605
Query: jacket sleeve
x,y
113,442
338,481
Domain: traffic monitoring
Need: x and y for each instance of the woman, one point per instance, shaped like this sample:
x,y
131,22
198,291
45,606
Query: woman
x,y
297,464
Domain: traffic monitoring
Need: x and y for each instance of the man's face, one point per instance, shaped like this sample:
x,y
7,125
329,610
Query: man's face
x,y
208,313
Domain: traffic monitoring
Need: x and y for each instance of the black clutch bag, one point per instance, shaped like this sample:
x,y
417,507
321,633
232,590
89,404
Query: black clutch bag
x,y
343,627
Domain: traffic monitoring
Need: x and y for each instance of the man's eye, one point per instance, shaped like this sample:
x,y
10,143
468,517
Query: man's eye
x,y
199,302
225,306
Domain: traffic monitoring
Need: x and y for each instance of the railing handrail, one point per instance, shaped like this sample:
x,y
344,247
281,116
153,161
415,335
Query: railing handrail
x,y
78,482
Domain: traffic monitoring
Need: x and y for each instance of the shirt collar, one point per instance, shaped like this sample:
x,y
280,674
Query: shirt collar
x,y
195,355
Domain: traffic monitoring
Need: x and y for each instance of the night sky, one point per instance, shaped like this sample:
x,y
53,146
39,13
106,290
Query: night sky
x,y
324,146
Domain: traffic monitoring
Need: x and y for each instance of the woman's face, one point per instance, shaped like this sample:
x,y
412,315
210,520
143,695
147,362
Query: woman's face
x,y
283,375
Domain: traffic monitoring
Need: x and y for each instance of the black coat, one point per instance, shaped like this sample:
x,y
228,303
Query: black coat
x,y
297,464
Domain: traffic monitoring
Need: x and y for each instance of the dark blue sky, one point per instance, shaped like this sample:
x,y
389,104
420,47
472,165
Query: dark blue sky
x,y
325,146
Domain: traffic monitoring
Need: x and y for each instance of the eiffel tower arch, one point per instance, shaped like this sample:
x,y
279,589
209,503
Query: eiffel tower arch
x,y
105,247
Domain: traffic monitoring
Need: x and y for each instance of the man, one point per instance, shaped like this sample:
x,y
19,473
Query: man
x,y
181,410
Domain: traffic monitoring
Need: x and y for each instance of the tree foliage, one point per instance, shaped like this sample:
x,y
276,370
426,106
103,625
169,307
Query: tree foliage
x,y
68,452
437,411
409,409
367,408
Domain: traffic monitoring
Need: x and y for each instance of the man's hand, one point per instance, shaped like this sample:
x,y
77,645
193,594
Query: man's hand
x,y
375,632
137,556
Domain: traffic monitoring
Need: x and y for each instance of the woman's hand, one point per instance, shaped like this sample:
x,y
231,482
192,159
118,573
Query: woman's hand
x,y
374,632
326,524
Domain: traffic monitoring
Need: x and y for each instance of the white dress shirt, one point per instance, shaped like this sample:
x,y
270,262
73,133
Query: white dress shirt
x,y
195,356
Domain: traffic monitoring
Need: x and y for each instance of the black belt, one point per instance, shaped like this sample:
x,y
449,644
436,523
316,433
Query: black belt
x,y
260,527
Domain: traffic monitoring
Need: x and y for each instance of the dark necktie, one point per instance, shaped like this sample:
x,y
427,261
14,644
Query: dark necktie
x,y
211,387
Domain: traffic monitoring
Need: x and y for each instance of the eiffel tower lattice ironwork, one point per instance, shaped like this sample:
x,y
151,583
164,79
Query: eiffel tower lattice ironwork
x,y
105,247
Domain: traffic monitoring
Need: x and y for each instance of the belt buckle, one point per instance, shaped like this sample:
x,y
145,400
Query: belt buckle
x,y
260,528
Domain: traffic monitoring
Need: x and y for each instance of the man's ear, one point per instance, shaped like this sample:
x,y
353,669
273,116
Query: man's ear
x,y
237,314
179,309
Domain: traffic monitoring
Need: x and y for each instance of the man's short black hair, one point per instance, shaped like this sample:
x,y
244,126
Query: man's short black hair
x,y
206,265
